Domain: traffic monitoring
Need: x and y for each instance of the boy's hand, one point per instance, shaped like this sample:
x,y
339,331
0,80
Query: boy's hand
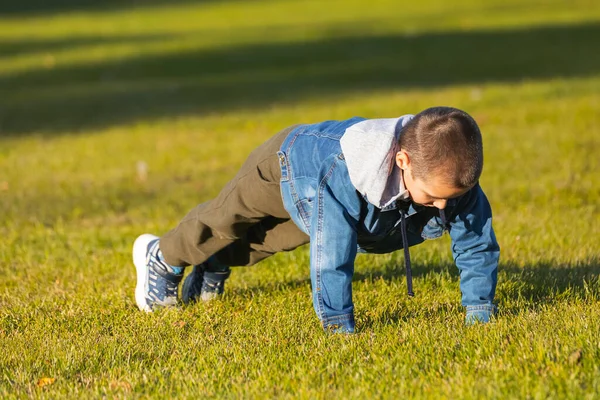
x,y
480,314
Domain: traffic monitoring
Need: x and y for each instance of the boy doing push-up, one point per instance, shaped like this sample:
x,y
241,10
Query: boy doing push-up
x,y
346,187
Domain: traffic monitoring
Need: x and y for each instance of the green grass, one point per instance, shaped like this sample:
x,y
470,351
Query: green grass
x,y
190,88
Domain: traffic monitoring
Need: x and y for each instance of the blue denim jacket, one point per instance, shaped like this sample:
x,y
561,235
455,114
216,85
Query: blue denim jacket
x,y
318,194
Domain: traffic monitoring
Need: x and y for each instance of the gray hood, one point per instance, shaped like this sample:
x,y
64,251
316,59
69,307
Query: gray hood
x,y
370,149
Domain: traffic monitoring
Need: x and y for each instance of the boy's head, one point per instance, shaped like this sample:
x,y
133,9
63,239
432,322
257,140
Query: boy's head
x,y
441,155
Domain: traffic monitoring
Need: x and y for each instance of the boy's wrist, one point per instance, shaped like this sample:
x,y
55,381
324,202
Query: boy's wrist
x,y
480,313
339,324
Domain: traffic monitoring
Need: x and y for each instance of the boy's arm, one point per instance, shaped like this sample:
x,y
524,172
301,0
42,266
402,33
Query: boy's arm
x,y
476,252
333,245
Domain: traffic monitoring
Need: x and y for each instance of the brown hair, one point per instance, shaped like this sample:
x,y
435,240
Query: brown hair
x,y
444,141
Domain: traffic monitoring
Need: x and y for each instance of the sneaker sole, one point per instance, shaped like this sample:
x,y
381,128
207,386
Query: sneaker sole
x,y
140,248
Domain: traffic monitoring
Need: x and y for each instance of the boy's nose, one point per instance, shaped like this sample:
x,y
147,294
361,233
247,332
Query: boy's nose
x,y
441,203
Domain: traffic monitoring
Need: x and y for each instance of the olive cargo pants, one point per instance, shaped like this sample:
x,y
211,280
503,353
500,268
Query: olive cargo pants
x,y
245,223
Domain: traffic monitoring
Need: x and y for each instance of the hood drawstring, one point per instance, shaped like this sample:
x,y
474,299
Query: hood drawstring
x,y
443,218
406,253
403,216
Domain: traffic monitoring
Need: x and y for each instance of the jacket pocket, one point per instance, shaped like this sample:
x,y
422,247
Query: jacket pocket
x,y
305,207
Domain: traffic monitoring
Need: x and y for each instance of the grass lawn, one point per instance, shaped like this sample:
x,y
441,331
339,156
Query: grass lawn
x,y
92,94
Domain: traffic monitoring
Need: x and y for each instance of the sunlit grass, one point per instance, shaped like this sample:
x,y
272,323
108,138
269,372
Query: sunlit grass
x,y
88,95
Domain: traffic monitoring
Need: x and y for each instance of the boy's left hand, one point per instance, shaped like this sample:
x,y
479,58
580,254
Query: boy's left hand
x,y
480,314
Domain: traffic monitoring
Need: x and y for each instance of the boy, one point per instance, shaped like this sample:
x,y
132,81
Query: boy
x,y
350,186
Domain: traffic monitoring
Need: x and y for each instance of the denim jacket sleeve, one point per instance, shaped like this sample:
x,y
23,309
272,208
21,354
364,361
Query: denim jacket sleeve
x,y
476,253
333,246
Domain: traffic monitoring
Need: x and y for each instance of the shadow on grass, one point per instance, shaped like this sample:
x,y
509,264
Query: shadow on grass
x,y
541,282
13,47
196,82
519,288
45,7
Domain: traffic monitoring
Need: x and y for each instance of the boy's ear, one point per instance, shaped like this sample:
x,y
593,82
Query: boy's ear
x,y
402,159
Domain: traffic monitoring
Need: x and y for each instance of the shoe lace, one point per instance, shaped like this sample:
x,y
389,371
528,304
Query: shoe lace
x,y
163,282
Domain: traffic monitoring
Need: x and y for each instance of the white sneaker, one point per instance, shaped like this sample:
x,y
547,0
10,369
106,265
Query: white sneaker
x,y
156,280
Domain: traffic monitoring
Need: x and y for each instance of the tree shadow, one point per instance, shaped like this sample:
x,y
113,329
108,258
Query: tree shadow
x,y
45,7
20,47
70,98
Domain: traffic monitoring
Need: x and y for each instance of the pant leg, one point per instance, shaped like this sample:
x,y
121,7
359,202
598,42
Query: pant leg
x,y
270,236
252,197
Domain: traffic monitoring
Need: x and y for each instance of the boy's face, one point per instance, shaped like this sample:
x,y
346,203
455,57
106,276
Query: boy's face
x,y
434,192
